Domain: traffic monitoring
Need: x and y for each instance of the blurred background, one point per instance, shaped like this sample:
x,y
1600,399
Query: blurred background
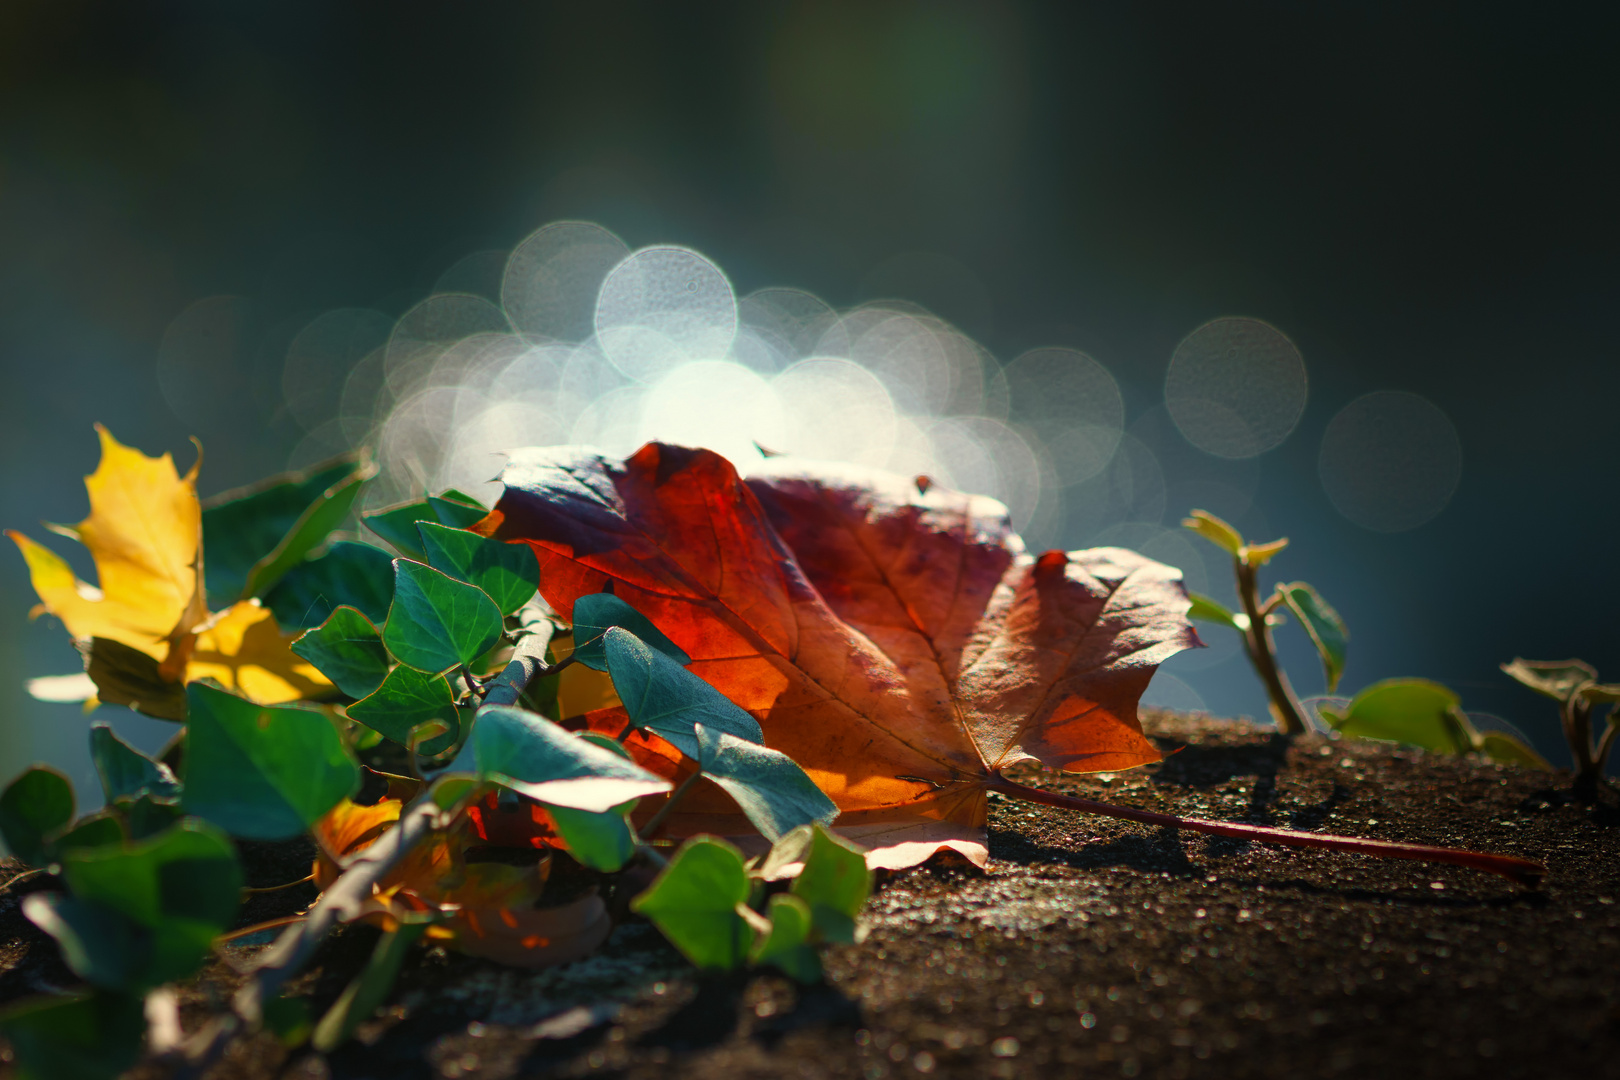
x,y
1346,274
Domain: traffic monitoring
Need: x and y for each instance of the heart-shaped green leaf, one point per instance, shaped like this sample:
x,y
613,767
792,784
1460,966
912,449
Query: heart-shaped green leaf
x,y
1413,711
260,772
534,757
182,887
508,574
1510,750
101,945
405,701
770,788
694,903
36,804
662,696
125,772
835,883
358,575
596,612
600,841
436,622
87,1037
98,830
1328,632
255,535
397,524
186,872
787,945
347,649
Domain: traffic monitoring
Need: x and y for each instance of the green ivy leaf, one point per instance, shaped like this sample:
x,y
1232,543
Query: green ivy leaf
x,y
436,622
508,574
600,841
397,524
406,700
770,788
181,887
92,831
347,649
834,883
100,945
125,772
147,817
347,573
369,989
264,773
1557,679
661,695
1510,750
1214,530
1328,632
1207,610
94,1036
1413,711
255,535
36,804
538,759
596,612
787,946
694,903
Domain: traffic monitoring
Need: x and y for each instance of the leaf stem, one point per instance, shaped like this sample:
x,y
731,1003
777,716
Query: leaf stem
x,y
668,808
1285,706
1523,871
277,888
344,900
269,924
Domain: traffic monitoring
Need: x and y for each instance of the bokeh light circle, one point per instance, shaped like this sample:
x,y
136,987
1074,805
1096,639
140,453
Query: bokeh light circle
x,y
1073,403
662,306
552,278
1390,461
1236,387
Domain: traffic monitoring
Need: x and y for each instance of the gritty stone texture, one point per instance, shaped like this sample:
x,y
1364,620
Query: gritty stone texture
x,y
1091,947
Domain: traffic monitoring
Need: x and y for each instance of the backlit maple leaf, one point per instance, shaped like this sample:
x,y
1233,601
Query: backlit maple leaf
x,y
891,637
144,533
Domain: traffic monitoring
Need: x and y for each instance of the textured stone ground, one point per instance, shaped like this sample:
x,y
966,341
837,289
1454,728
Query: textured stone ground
x,y
1091,947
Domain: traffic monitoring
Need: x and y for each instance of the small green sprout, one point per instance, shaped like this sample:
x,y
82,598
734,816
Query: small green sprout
x,y
1327,631
1574,685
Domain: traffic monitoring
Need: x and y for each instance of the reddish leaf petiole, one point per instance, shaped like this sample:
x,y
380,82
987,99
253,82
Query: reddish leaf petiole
x,y
1523,871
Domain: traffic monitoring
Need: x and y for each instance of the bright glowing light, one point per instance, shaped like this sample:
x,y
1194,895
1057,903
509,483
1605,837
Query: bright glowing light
x,y
662,306
725,407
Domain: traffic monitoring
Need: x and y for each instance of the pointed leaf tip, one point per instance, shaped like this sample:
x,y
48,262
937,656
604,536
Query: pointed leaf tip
x,y
1326,629
1214,530
436,622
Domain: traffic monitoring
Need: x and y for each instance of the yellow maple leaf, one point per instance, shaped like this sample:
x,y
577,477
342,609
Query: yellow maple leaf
x,y
247,652
144,533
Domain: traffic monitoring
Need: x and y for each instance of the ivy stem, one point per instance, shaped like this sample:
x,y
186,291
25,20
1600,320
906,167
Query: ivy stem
x,y
668,808
1285,706
270,924
277,888
344,900
1523,871
1606,743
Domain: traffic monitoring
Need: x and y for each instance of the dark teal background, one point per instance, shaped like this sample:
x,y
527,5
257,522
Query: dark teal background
x,y
1422,199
